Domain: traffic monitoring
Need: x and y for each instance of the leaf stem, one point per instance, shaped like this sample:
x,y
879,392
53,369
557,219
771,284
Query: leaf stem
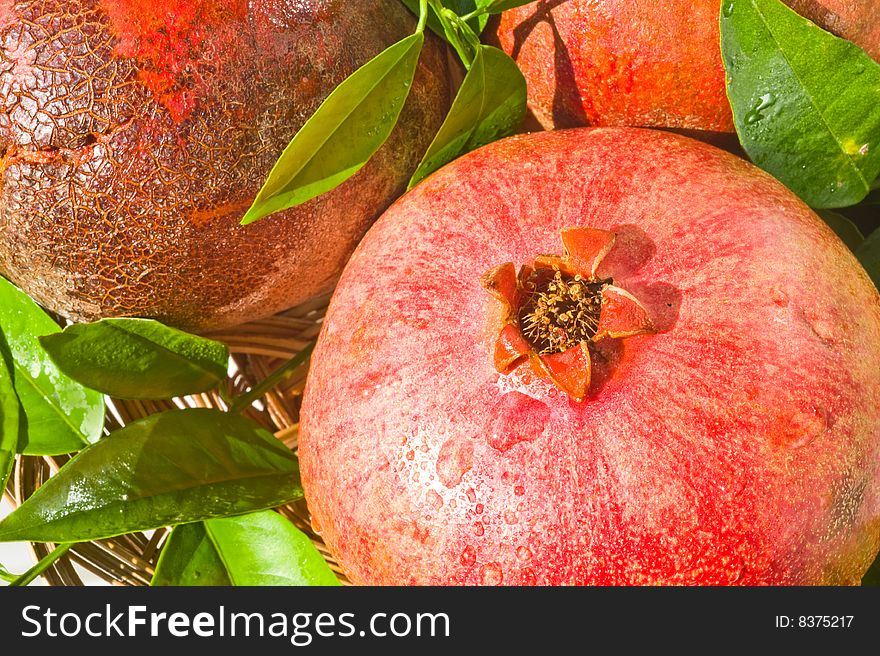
x,y
44,564
423,16
6,575
260,390
474,14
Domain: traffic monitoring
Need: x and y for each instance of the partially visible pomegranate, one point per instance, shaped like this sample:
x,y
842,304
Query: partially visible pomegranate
x,y
598,356
644,63
134,134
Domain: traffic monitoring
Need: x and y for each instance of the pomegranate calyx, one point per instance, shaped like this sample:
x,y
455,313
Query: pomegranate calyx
x,y
622,315
557,308
510,348
570,371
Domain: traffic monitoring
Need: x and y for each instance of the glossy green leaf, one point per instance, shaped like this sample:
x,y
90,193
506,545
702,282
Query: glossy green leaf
x,y
170,468
490,104
9,417
138,358
869,255
343,134
806,103
190,559
266,549
59,415
259,549
847,231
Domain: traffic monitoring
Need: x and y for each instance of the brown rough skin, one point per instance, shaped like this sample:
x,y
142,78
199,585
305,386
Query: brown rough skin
x,y
135,133
638,63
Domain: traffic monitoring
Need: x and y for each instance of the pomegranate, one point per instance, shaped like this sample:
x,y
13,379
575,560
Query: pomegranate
x,y
134,134
598,356
620,62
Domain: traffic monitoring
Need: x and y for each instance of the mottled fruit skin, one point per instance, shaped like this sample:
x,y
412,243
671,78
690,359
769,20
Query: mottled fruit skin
x,y
644,63
739,444
134,134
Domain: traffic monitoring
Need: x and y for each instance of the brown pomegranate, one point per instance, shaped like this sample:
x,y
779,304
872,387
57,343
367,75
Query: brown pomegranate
x,y
135,133
644,63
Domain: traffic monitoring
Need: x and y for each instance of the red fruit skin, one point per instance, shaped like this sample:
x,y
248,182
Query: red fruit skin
x,y
625,62
134,134
738,445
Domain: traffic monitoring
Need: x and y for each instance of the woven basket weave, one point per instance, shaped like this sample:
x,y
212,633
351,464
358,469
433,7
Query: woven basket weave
x,y
257,349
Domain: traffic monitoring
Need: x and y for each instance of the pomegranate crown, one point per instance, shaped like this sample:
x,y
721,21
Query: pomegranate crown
x,y
557,308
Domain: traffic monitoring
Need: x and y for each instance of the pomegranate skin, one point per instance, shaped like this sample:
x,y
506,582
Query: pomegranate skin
x,y
737,445
134,134
620,62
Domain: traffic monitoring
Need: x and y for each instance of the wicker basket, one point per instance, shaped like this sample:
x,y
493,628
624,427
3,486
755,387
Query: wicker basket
x,y
257,349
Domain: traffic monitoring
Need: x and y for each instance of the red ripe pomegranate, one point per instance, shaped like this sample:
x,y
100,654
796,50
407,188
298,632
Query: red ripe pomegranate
x,y
632,62
598,356
134,134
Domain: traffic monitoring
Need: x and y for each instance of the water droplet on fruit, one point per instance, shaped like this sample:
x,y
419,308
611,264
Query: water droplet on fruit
x,y
455,459
728,10
317,526
468,556
517,418
479,509
519,490
803,427
524,553
434,500
479,529
823,329
491,574
859,69
510,517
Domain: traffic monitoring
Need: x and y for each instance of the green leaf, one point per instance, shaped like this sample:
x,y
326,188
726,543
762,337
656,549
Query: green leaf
x,y
266,549
490,104
138,358
869,255
259,549
343,134
847,231
460,35
9,419
189,559
170,468
59,415
806,103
